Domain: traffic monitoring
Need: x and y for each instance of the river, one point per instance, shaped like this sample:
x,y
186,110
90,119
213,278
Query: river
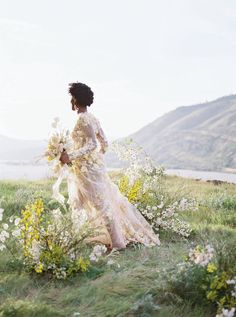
x,y
34,172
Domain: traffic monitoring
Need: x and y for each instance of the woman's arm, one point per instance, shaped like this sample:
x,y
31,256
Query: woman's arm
x,y
102,139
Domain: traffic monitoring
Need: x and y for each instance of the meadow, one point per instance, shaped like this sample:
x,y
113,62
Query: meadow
x,y
140,283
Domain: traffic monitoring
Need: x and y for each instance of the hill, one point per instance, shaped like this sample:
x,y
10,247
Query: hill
x,y
12,149
198,137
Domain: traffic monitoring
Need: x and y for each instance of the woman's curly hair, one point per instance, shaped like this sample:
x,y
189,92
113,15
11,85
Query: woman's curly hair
x,y
82,93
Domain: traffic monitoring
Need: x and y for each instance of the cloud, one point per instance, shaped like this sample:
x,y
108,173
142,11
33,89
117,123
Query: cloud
x,y
24,32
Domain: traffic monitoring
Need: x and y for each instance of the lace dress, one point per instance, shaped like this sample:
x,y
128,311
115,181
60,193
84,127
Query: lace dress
x,y
93,195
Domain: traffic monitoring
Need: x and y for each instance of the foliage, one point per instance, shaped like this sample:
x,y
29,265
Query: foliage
x,y
137,281
51,243
222,200
118,288
142,182
202,280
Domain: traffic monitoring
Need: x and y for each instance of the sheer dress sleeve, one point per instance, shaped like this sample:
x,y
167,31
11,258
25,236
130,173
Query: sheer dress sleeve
x,y
102,139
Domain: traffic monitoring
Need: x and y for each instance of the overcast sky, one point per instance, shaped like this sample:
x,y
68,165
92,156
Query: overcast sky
x,y
142,58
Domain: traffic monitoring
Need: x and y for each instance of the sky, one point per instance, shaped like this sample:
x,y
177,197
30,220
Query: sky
x,y
142,58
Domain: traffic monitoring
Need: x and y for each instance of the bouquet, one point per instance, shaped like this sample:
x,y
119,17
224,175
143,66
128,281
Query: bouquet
x,y
59,142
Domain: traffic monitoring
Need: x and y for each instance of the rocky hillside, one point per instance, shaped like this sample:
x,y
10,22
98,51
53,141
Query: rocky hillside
x,y
199,137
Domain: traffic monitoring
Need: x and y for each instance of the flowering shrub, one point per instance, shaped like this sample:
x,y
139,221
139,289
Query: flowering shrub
x,y
202,280
141,184
53,243
7,231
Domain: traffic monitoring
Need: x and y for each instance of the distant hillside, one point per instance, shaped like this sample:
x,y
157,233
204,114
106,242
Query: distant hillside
x,y
20,150
199,137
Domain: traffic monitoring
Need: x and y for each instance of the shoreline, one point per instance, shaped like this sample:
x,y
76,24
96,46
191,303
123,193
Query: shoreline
x,y
39,172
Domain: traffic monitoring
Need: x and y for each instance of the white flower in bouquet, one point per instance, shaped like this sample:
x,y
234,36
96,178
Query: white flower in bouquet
x,y
55,122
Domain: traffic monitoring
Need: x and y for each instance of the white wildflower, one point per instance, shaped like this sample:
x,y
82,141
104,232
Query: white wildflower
x,y
5,234
97,253
79,218
161,205
1,213
16,233
201,257
228,313
5,226
229,282
35,251
57,215
110,262
17,221
2,247
2,238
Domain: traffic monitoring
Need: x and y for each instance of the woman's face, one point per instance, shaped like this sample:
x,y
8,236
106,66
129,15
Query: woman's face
x,y
73,103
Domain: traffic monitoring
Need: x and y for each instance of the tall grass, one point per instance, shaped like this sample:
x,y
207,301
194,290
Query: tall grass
x,y
136,284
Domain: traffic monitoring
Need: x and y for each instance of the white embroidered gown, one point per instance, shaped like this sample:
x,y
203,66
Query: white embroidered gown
x,y
91,191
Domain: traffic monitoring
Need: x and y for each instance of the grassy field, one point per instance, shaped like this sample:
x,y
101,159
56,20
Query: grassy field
x,y
135,287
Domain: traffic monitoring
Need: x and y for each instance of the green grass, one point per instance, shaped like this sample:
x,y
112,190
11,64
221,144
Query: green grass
x,y
137,287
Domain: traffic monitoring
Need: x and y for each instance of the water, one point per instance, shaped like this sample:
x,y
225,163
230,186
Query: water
x,y
24,171
204,175
34,172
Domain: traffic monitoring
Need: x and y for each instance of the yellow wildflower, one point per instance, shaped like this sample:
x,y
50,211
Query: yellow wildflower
x,y
211,268
134,191
39,268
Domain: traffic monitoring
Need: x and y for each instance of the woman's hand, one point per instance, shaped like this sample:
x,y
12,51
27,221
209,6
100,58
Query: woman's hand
x,y
102,151
64,158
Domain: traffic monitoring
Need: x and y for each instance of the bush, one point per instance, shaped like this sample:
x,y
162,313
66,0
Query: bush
x,y
203,280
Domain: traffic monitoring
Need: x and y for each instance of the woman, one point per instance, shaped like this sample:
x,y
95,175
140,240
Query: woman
x,y
90,187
